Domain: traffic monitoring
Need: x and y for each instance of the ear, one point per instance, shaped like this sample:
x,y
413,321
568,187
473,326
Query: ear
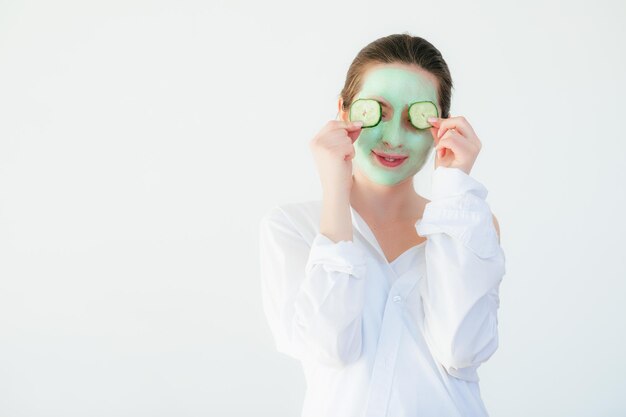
x,y
342,115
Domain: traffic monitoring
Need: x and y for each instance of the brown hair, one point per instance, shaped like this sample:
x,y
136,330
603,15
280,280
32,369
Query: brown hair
x,y
400,48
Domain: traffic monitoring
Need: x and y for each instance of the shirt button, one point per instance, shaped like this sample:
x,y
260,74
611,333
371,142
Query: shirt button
x,y
397,299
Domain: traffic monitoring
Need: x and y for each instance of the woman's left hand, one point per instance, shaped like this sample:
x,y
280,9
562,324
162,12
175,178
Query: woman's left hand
x,y
456,143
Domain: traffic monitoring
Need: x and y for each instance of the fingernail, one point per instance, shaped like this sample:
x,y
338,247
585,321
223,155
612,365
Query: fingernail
x,y
432,119
357,123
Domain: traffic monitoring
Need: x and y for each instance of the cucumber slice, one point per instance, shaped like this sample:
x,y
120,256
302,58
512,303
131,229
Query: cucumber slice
x,y
366,110
419,113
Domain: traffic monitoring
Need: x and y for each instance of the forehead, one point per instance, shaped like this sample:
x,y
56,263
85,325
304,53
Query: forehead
x,y
399,84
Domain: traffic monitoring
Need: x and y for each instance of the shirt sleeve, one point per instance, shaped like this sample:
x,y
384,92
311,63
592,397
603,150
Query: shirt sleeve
x,y
464,267
313,294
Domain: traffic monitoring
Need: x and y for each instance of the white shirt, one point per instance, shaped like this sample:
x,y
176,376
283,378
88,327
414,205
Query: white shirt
x,y
387,339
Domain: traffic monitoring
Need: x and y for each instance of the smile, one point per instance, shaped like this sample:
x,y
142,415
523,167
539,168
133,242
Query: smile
x,y
389,160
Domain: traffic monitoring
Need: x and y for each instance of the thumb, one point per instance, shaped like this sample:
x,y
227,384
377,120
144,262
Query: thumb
x,y
353,134
354,130
357,124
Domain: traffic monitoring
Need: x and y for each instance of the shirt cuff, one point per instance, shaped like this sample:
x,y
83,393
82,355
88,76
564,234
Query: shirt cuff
x,y
448,182
343,256
459,209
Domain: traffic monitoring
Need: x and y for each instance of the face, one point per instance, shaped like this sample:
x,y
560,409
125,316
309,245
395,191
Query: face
x,y
395,86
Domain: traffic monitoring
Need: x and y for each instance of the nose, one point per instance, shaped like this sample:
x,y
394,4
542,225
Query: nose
x,y
394,135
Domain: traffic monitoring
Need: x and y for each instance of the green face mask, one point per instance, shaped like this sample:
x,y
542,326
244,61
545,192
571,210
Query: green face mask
x,y
394,134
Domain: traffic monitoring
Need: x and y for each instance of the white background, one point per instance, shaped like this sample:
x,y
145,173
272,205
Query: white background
x,y
141,142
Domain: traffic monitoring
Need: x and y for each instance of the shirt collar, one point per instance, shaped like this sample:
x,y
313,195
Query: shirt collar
x,y
366,233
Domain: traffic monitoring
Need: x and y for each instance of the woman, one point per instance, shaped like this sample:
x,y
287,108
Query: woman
x,y
389,300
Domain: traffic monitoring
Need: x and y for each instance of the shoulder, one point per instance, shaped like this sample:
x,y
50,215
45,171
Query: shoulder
x,y
300,218
296,212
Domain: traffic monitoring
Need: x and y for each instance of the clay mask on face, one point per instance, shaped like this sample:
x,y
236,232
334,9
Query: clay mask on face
x,y
399,88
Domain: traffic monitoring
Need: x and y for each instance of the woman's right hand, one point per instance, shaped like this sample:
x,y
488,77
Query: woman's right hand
x,y
333,151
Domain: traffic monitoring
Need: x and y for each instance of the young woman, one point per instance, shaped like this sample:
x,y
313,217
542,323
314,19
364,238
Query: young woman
x,y
388,300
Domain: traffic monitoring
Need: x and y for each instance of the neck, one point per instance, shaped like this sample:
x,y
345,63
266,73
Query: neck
x,y
383,203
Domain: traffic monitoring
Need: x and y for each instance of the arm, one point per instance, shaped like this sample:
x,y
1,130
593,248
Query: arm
x,y
465,265
312,294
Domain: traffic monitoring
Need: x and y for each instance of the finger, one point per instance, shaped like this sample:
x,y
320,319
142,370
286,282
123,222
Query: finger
x,y
459,123
340,125
353,129
443,129
435,121
442,125
354,134
446,133
354,126
346,124
453,141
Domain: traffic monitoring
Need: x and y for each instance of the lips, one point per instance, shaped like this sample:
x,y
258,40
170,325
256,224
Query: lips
x,y
397,161
390,155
